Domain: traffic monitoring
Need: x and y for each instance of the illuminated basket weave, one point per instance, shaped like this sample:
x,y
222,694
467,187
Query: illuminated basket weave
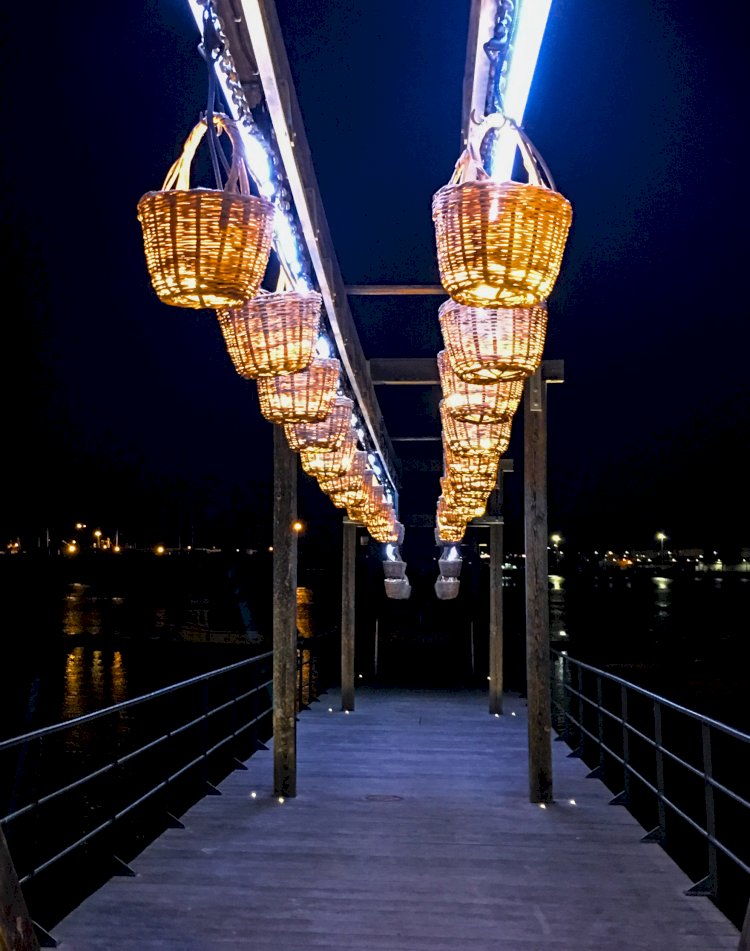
x,y
500,244
450,533
477,402
206,247
305,397
447,588
448,517
328,463
366,510
329,434
348,489
472,439
481,465
467,506
485,346
272,333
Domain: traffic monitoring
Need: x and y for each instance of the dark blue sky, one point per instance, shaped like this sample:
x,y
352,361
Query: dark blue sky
x,y
123,411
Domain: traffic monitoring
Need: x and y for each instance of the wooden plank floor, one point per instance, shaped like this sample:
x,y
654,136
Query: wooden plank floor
x,y
412,831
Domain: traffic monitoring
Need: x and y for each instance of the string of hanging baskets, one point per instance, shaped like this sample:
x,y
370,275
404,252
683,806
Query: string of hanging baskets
x,y
477,402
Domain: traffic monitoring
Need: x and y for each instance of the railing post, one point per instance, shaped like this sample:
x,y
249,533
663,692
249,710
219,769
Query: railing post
x,y
659,834
710,884
625,744
600,722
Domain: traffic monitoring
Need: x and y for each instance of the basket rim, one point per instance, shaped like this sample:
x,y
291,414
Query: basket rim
x,y
172,194
489,184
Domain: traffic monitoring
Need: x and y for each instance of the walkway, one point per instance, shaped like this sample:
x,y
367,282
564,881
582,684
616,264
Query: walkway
x,y
411,832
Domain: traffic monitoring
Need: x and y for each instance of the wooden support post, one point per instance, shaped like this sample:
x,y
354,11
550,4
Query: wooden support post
x,y
16,929
348,577
284,616
537,599
496,618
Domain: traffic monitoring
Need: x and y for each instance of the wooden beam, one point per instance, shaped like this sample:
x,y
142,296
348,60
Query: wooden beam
x,y
404,371
537,597
395,290
417,439
284,616
260,21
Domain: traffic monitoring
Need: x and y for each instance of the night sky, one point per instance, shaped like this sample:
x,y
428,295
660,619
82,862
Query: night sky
x,y
127,413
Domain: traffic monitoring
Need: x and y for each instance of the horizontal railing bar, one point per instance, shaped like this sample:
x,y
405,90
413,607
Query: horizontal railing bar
x,y
715,724
127,704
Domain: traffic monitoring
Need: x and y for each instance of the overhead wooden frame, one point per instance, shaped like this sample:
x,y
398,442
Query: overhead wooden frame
x,y
259,51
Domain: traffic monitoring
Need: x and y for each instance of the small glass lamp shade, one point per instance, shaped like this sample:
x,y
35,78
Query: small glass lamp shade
x,y
329,463
305,397
477,402
472,439
329,434
485,346
272,334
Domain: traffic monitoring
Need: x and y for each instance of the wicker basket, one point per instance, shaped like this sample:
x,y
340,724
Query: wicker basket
x,y
328,463
397,588
466,506
450,567
500,244
474,439
447,588
347,489
452,534
329,434
394,569
272,333
485,346
477,402
480,466
206,247
305,397
447,518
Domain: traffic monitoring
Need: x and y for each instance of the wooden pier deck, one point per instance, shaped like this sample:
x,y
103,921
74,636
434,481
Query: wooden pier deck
x,y
412,831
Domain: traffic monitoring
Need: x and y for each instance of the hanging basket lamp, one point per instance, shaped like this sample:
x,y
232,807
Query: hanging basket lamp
x,y
394,569
206,247
397,588
470,439
449,567
499,244
272,334
447,588
348,489
466,506
485,346
481,465
477,402
327,435
449,533
329,463
305,397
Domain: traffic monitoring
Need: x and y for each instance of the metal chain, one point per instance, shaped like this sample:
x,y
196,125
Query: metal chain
x,y
497,49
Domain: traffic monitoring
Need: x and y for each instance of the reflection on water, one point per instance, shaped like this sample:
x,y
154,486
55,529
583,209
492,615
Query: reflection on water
x,y
92,679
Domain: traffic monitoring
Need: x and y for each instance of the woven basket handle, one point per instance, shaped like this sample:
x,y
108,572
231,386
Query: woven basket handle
x,y
238,180
469,166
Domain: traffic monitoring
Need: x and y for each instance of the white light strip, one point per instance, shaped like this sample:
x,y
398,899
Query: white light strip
x,y
531,20
262,51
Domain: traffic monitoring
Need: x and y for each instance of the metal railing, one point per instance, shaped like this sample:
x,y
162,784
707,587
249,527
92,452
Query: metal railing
x,y
683,771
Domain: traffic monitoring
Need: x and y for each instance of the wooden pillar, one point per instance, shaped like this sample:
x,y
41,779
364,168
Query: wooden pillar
x,y
537,600
284,616
496,617
348,578
16,929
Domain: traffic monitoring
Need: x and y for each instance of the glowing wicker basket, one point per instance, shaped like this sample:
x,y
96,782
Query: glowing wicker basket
x,y
471,439
348,489
368,509
447,588
305,397
206,247
485,346
394,569
272,333
500,244
480,466
477,402
329,434
447,518
466,506
449,567
328,463
450,533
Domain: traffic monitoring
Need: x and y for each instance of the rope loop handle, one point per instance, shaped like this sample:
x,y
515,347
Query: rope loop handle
x,y
238,179
469,167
